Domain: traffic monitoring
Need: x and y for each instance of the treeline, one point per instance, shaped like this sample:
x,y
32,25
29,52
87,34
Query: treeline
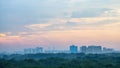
x,y
61,61
54,55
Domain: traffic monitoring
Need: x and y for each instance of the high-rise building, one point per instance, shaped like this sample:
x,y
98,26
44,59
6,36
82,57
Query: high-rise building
x,y
83,49
94,49
73,49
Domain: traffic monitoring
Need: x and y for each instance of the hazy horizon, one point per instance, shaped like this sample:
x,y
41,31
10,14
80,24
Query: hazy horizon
x,y
59,23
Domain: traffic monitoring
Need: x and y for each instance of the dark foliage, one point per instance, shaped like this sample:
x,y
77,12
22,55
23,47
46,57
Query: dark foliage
x,y
63,61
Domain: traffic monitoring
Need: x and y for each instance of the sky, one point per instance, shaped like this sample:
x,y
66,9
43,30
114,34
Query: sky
x,y
59,24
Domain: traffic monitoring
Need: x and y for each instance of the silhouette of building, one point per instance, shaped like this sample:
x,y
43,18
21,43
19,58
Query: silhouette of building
x,y
57,51
91,49
73,49
38,50
94,49
33,50
28,51
83,49
107,50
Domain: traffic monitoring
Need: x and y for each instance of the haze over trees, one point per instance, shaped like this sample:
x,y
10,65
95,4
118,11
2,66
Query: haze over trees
x,y
79,60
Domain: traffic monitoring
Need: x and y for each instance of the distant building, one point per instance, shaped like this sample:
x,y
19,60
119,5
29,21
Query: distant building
x,y
28,51
57,51
94,49
73,49
107,50
38,50
83,49
33,50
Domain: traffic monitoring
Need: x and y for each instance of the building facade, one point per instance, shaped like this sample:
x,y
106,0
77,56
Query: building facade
x,y
73,49
83,49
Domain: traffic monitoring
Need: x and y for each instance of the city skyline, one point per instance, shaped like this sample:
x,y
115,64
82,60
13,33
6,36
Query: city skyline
x,y
90,49
59,23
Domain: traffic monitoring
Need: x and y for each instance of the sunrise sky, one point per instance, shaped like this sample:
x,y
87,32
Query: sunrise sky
x,y
59,23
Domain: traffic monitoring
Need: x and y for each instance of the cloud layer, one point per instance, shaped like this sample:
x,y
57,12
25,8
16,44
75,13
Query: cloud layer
x,y
41,22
